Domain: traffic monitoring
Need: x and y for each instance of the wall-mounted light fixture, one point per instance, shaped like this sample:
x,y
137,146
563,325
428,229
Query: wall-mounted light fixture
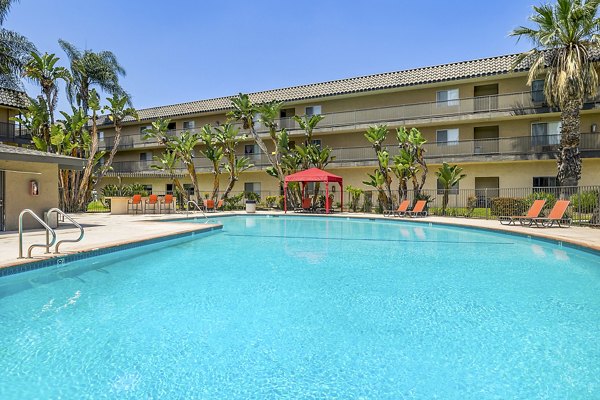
x,y
594,128
34,188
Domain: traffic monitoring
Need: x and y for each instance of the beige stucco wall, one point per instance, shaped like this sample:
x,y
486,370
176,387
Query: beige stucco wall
x,y
17,196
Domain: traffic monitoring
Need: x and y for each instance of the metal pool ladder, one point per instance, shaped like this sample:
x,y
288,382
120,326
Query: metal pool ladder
x,y
62,213
49,231
187,208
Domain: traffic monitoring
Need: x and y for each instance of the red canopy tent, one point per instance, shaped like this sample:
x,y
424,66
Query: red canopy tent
x,y
314,175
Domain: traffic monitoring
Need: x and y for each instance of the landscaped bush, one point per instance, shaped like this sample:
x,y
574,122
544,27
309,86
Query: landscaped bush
x,y
549,197
97,206
508,206
233,202
252,196
585,201
124,191
271,201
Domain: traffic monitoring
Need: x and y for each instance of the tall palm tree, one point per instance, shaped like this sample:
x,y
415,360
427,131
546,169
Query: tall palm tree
x,y
228,137
89,69
167,162
118,112
184,148
93,155
14,48
308,124
448,176
376,135
566,40
213,151
44,71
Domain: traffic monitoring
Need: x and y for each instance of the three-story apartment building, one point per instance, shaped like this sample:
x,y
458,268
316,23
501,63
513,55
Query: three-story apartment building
x,y
479,114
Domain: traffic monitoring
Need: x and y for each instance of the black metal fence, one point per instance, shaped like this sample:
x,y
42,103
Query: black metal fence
x,y
485,203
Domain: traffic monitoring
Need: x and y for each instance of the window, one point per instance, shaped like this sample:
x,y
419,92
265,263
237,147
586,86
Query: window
x,y
101,136
446,137
537,91
545,133
544,182
317,143
169,188
440,188
447,98
313,110
189,188
251,149
253,187
189,124
171,126
146,156
147,189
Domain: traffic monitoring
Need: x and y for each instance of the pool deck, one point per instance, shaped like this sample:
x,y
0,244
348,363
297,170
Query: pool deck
x,y
105,230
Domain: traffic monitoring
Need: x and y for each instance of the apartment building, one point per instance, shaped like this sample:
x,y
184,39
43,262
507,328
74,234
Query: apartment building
x,y
479,114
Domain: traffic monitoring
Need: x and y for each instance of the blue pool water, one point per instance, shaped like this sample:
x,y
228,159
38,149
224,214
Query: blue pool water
x,y
295,307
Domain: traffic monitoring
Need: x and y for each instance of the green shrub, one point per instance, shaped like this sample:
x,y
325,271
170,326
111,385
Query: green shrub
x,y
252,196
549,197
232,203
271,201
500,206
585,201
97,206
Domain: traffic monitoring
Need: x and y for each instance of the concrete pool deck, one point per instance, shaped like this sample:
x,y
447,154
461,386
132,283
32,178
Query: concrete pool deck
x,y
105,230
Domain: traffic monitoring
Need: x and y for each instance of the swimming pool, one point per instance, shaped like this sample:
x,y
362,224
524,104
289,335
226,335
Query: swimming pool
x,y
302,307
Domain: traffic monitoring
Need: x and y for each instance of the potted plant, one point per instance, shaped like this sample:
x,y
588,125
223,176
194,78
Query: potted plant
x,y
251,200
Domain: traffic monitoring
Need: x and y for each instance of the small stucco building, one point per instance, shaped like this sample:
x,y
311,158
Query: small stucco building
x,y
29,179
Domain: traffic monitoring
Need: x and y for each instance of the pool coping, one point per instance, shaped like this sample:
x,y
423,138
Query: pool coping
x,y
28,264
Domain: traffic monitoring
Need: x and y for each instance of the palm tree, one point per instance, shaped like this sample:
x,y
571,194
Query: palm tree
x,y
376,135
167,162
214,152
43,71
184,148
89,69
566,37
14,48
228,137
308,124
93,156
245,112
412,142
448,176
119,111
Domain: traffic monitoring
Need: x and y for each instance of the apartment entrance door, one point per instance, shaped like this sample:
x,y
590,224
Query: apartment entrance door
x,y
486,139
486,188
486,97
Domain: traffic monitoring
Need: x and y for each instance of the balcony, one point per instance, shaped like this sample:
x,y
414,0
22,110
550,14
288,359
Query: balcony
x,y
11,133
483,150
408,114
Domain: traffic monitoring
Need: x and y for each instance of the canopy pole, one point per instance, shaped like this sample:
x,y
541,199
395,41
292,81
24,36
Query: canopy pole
x,y
341,197
285,198
327,197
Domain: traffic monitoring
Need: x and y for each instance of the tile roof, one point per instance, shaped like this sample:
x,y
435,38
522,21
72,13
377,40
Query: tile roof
x,y
12,93
418,76
15,153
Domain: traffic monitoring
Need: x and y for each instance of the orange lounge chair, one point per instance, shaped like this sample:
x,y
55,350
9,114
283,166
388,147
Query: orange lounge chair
x,y
209,205
534,212
418,210
135,203
306,206
400,211
151,201
219,205
167,204
557,215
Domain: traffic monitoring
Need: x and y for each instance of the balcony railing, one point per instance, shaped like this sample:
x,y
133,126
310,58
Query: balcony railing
x,y
515,104
531,147
12,133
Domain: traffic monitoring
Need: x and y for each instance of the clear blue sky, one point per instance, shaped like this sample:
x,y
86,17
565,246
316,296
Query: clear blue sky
x,y
186,50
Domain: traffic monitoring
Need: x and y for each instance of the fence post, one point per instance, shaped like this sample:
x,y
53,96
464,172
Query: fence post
x,y
487,208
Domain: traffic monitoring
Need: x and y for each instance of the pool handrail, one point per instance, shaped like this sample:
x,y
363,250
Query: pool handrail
x,y
61,212
45,225
187,208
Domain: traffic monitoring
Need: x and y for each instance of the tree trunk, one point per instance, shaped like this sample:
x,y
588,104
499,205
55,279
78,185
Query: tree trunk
x,y
215,193
569,158
87,173
111,156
